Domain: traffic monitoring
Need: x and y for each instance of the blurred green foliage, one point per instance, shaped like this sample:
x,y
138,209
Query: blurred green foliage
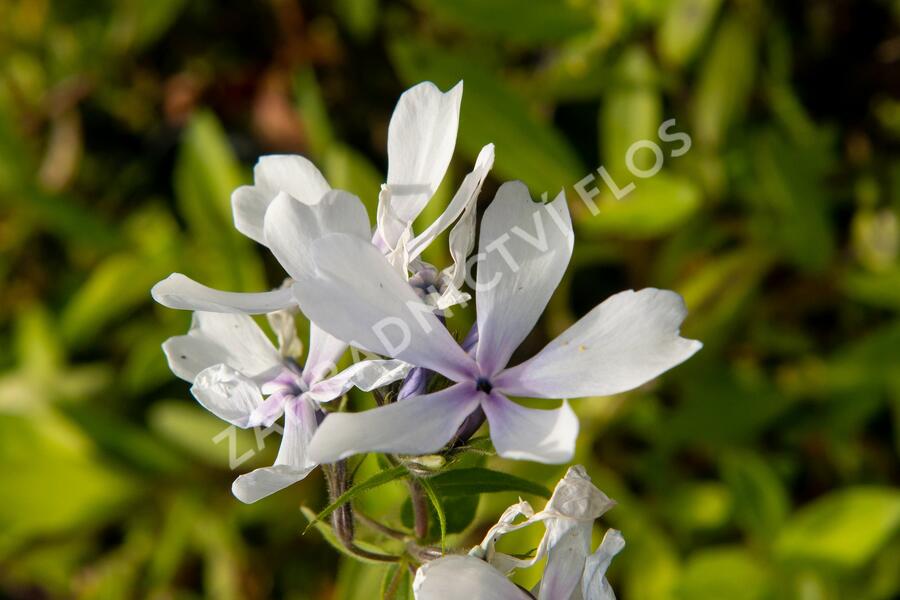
x,y
766,467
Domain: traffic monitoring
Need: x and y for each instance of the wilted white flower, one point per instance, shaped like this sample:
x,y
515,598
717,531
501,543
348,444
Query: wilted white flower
x,y
572,572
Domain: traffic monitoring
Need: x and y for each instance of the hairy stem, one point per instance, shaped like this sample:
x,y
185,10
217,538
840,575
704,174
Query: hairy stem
x,y
342,517
420,509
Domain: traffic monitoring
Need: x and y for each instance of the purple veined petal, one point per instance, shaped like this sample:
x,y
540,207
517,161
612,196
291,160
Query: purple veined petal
x,y
268,411
227,394
470,342
366,375
622,343
293,462
291,227
419,425
222,338
325,351
461,577
523,252
272,174
594,585
421,139
183,293
357,296
463,203
414,384
545,436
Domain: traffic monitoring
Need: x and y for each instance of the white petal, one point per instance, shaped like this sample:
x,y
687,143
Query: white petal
x,y
227,394
462,241
292,227
182,292
576,497
568,546
248,205
292,174
418,425
463,203
325,351
622,343
594,585
546,436
506,563
358,297
284,325
456,577
222,338
421,138
523,253
366,375
293,462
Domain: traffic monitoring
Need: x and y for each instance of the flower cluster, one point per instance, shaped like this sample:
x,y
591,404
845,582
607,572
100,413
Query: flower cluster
x,y
369,289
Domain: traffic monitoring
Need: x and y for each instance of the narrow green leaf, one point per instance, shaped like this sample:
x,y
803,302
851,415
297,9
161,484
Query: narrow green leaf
x,y
683,29
438,508
478,480
726,80
396,584
844,529
373,482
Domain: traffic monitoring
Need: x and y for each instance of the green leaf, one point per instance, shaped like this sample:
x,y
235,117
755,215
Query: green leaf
x,y
720,573
632,111
788,186
313,112
206,174
699,506
684,27
397,582
208,438
726,80
656,206
373,482
477,480
527,148
844,529
120,438
53,483
761,503
438,508
359,16
332,540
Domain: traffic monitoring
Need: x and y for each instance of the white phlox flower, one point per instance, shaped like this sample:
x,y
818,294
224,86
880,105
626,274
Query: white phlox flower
x,y
290,205
242,378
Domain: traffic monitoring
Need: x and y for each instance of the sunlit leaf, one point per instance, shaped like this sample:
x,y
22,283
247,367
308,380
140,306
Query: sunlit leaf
x,y
845,528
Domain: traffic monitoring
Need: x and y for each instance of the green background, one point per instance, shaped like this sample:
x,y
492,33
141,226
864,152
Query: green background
x,y
765,467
